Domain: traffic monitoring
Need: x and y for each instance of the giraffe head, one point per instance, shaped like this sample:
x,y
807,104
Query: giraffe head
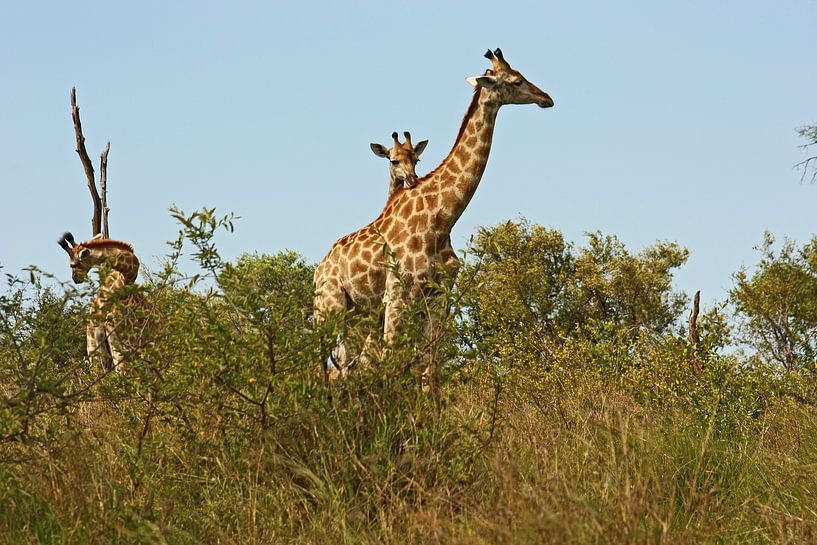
x,y
86,255
508,86
402,158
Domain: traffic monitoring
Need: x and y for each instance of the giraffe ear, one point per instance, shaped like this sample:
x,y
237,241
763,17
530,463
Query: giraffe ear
x,y
380,150
482,81
420,147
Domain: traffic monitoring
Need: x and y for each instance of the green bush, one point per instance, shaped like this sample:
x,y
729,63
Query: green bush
x,y
569,410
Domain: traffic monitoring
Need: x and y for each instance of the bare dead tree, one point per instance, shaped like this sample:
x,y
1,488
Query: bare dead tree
x,y
99,219
694,337
103,187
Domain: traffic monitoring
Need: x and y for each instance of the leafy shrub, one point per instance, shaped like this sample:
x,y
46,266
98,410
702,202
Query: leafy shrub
x,y
568,409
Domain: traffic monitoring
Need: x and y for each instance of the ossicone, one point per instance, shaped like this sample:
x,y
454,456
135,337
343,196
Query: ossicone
x,y
66,242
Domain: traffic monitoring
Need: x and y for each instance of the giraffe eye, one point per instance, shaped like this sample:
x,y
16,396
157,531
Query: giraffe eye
x,y
518,82
395,162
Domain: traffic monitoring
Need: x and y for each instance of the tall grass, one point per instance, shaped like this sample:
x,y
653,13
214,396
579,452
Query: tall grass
x,y
221,430
387,466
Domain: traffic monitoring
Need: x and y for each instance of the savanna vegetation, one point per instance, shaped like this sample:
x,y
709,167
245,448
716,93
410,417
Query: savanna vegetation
x,y
574,407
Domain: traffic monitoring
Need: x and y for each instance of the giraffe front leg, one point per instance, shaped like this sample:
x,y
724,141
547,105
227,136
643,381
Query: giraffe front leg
x,y
394,299
91,343
397,298
437,314
343,360
368,351
330,299
113,345
429,317
97,345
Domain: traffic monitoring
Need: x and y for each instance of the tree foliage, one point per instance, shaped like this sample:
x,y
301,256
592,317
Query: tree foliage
x,y
537,291
567,388
776,304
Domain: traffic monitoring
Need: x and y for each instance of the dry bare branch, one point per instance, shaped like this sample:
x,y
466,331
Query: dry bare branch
x,y
96,219
694,336
807,167
809,133
103,187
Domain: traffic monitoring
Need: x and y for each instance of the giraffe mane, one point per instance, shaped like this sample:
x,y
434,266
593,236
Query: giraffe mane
x,y
468,113
108,243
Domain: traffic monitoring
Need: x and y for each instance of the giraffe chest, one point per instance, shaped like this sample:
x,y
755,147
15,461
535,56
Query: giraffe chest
x,y
416,241
364,281
359,268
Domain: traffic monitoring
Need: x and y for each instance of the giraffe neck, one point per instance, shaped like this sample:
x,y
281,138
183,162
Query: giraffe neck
x,y
129,273
128,270
110,283
458,176
126,264
114,281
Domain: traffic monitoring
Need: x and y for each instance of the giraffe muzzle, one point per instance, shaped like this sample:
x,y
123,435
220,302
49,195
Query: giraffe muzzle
x,y
545,101
79,276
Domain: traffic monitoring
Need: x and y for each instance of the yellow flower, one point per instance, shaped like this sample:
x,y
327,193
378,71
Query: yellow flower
x,y
251,380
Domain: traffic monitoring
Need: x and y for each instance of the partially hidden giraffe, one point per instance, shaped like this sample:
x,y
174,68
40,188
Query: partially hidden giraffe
x,y
403,159
405,162
402,165
414,228
121,267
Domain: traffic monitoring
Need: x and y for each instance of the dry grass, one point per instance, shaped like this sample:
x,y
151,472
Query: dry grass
x,y
594,468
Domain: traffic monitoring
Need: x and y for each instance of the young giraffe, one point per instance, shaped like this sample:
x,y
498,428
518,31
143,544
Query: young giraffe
x,y
101,337
401,170
407,161
403,159
415,226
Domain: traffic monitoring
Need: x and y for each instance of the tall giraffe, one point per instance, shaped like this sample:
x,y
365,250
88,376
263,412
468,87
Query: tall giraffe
x,y
403,159
415,225
122,268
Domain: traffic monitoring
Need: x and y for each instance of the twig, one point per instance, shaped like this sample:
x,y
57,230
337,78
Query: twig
x,y
805,165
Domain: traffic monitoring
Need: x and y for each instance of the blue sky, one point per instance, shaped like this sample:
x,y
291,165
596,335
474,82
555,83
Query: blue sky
x,y
673,120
